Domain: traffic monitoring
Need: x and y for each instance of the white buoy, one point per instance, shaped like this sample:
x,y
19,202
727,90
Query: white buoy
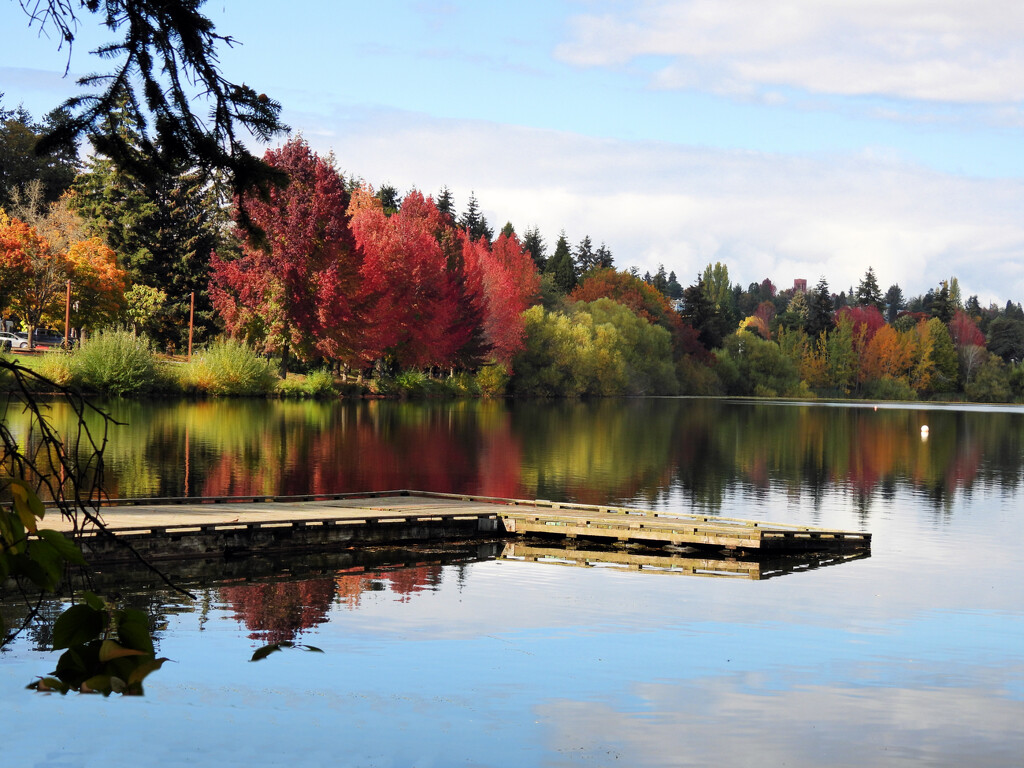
x,y
924,432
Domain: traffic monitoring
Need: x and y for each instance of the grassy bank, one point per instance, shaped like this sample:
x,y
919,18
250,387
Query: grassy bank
x,y
121,364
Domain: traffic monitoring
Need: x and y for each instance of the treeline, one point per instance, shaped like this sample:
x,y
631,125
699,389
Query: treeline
x,y
328,273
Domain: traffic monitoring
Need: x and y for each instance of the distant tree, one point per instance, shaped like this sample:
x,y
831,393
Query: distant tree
x,y
943,351
474,222
701,314
660,281
446,203
534,244
584,256
604,259
389,198
894,303
20,164
1006,338
562,267
943,306
819,310
868,293
508,230
673,289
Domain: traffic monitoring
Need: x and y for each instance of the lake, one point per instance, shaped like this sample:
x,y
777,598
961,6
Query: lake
x,y
459,656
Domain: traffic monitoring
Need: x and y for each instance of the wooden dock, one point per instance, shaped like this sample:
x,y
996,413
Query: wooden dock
x,y
183,528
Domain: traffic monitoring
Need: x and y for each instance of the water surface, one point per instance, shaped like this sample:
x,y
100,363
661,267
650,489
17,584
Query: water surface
x,y
913,656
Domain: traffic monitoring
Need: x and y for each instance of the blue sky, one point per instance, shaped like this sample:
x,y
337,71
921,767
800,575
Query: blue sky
x,y
805,140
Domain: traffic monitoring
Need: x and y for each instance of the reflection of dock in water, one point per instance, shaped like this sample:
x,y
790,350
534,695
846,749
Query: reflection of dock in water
x,y
681,565
188,528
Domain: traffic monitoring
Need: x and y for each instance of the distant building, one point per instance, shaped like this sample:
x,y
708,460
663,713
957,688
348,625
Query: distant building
x,y
800,284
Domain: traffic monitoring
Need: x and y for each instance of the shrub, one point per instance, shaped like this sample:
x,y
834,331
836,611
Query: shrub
x,y
888,388
58,367
229,368
464,384
492,381
317,384
115,362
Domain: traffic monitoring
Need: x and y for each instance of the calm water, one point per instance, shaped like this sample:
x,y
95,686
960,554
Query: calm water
x,y
914,656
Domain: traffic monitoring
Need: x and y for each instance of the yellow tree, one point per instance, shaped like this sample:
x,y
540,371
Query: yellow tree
x,y
97,284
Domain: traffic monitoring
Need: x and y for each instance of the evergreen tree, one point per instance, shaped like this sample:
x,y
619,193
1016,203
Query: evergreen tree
x,y
389,199
534,243
586,260
894,303
819,310
163,230
474,221
561,266
699,313
508,230
868,293
445,203
674,290
660,281
605,260
19,163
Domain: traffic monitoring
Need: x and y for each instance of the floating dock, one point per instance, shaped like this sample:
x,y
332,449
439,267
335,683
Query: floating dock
x,y
210,527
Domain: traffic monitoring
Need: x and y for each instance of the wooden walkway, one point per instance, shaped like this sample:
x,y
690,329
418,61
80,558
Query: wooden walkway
x,y
199,527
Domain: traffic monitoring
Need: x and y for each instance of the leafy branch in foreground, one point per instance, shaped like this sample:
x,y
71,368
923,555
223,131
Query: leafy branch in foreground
x,y
165,62
37,464
109,650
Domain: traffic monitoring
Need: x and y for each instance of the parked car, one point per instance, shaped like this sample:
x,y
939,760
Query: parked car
x,y
16,340
44,338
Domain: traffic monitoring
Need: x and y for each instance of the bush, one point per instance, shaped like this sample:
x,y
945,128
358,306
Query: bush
x,y
229,368
464,385
115,362
318,384
492,381
888,388
58,367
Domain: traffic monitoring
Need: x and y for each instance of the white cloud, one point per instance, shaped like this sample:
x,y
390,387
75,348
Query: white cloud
x,y
763,215
934,50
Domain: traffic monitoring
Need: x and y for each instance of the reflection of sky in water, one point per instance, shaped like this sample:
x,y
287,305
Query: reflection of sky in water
x,y
913,656
527,664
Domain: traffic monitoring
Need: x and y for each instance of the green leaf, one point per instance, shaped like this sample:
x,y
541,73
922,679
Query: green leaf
x,y
27,504
12,532
311,648
77,625
113,650
50,560
63,545
94,601
133,630
266,650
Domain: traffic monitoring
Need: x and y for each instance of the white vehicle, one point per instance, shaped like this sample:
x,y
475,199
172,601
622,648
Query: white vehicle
x,y
16,341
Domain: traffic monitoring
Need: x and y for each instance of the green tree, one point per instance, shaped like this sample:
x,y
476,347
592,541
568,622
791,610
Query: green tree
x,y
445,203
819,310
20,164
943,307
700,313
163,230
750,365
947,363
894,303
585,257
604,259
868,293
534,243
561,266
474,221
1006,338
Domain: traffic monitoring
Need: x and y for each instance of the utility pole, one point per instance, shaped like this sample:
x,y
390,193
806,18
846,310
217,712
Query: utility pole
x,y
67,319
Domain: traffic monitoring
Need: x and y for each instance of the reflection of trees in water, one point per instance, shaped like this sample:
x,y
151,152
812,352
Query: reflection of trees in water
x,y
624,450
280,611
404,582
